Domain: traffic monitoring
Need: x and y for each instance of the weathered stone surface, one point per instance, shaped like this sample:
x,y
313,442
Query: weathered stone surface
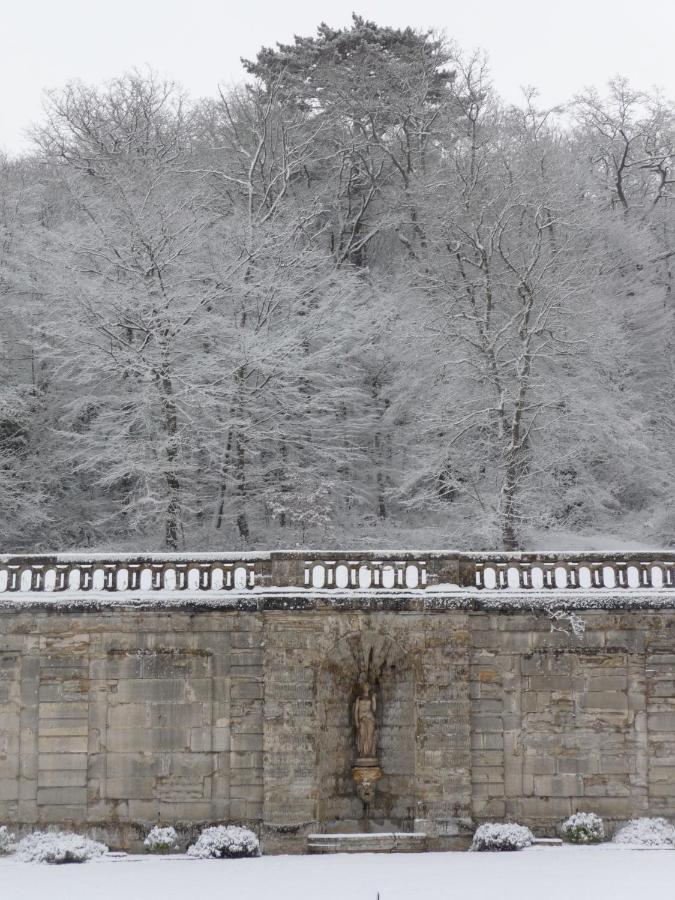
x,y
130,716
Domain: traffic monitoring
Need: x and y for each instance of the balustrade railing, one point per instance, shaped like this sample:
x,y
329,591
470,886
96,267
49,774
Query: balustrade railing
x,y
202,572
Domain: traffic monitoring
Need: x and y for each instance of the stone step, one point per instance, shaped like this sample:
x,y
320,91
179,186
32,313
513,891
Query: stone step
x,y
375,842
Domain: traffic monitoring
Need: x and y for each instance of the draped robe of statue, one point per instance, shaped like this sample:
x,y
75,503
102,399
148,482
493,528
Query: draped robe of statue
x,y
365,706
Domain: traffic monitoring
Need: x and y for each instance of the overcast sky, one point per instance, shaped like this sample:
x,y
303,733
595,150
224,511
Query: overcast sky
x,y
558,46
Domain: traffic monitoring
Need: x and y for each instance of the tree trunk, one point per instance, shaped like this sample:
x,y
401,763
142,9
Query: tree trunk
x,y
173,511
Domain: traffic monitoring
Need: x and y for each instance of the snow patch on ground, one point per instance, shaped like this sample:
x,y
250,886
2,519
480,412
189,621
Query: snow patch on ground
x,y
533,874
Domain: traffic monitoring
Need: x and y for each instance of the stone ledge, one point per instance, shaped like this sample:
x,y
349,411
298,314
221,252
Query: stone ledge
x,y
436,599
377,842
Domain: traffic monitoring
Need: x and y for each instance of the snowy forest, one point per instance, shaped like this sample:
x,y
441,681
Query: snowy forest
x,y
357,300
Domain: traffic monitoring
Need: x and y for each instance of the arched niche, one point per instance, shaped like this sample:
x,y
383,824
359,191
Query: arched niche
x,y
389,667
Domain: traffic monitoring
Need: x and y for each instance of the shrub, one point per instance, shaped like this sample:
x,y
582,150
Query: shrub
x,y
161,840
646,833
583,828
6,840
58,847
501,837
225,841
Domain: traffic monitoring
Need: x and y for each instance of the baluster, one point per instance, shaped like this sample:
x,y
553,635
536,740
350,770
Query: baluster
x,y
109,576
669,574
181,570
524,576
597,579
60,577
134,576
572,569
548,574
86,576
204,577
620,573
645,570
37,581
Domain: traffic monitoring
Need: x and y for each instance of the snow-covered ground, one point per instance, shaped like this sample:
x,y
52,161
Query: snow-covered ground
x,y
585,873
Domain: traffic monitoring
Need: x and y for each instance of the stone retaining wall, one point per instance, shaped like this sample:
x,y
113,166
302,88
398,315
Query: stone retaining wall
x,y
117,718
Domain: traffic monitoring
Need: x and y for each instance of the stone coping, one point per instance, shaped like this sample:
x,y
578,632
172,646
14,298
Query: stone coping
x,y
84,556
437,599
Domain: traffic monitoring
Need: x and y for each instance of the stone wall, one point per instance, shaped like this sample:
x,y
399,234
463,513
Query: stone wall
x,y
116,717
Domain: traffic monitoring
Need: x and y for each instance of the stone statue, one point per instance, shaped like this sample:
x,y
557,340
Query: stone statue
x,y
365,707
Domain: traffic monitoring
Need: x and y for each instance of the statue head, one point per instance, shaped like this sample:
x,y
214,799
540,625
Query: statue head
x,y
365,689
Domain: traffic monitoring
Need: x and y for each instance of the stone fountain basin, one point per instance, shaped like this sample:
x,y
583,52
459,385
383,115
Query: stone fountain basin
x,y
374,842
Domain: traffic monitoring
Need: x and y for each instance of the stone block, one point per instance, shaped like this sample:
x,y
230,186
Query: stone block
x,y
558,785
62,796
64,727
243,742
246,690
151,739
151,690
577,765
128,715
63,710
624,764
179,715
63,744
66,778
134,765
480,724
207,689
561,683
125,788
117,666
604,700
487,758
147,811
63,762
246,760
191,765
9,789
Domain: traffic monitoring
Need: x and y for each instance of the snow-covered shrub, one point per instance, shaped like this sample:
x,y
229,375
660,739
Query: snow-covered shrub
x,y
6,840
225,841
161,839
493,836
583,828
647,833
58,847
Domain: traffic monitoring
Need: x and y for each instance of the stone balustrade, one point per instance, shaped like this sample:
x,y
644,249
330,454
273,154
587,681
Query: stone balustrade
x,y
335,571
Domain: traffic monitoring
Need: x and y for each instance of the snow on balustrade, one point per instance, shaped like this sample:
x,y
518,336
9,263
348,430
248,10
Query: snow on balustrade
x,y
327,571
361,573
